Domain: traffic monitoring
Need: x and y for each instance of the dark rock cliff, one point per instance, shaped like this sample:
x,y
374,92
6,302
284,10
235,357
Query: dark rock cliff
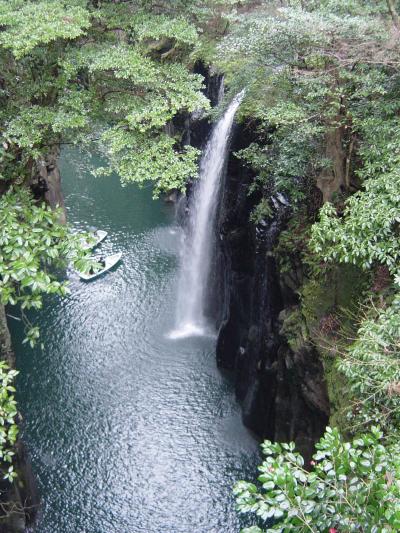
x,y
280,386
279,383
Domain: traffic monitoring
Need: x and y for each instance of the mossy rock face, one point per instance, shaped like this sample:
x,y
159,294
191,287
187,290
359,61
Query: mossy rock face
x,y
329,308
293,328
339,394
326,313
338,293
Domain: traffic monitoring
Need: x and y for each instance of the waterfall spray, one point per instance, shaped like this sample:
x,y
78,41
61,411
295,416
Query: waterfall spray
x,y
196,258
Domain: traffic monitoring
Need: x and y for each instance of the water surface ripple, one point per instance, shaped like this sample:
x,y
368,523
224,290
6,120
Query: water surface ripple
x,y
129,431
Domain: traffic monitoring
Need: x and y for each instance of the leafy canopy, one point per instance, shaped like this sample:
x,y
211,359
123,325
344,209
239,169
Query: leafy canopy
x,y
313,74
32,244
29,24
366,233
371,365
351,487
96,71
8,424
323,101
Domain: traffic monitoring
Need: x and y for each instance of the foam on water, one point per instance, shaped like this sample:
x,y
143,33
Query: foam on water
x,y
190,330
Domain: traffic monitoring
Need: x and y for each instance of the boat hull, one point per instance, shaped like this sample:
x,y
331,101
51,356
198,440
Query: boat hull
x,y
110,261
99,237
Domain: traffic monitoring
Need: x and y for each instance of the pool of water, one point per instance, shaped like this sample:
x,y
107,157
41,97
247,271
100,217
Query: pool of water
x,y
129,430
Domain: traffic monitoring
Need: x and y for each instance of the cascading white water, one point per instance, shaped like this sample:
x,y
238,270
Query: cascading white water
x,y
199,239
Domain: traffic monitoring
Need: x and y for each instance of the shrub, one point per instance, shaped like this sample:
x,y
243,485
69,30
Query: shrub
x,y
351,487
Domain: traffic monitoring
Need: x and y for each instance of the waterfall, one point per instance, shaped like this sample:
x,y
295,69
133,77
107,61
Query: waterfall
x,y
198,245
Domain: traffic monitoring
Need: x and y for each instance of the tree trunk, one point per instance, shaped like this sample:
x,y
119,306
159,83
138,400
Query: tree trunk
x,y
46,178
333,180
393,13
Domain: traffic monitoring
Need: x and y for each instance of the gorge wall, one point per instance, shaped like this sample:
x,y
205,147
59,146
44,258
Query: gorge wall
x,y
279,382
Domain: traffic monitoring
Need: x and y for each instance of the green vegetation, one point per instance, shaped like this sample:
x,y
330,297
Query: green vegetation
x,y
93,70
323,97
101,73
84,72
8,425
33,243
352,487
324,101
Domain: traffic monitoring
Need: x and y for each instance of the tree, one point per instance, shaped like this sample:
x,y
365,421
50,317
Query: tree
x,y
313,73
323,100
351,487
107,71
33,244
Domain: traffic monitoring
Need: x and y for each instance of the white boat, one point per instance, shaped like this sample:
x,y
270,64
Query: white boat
x,y
98,236
109,262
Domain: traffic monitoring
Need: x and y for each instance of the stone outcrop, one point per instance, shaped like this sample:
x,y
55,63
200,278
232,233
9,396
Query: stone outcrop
x,y
279,382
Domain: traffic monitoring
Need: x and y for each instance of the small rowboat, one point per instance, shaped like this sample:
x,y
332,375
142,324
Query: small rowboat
x,y
98,236
109,262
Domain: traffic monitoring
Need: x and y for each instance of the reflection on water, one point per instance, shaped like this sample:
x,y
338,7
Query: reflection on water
x,y
130,431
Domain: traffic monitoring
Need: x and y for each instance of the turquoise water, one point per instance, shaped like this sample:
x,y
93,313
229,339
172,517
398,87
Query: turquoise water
x,y
129,430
